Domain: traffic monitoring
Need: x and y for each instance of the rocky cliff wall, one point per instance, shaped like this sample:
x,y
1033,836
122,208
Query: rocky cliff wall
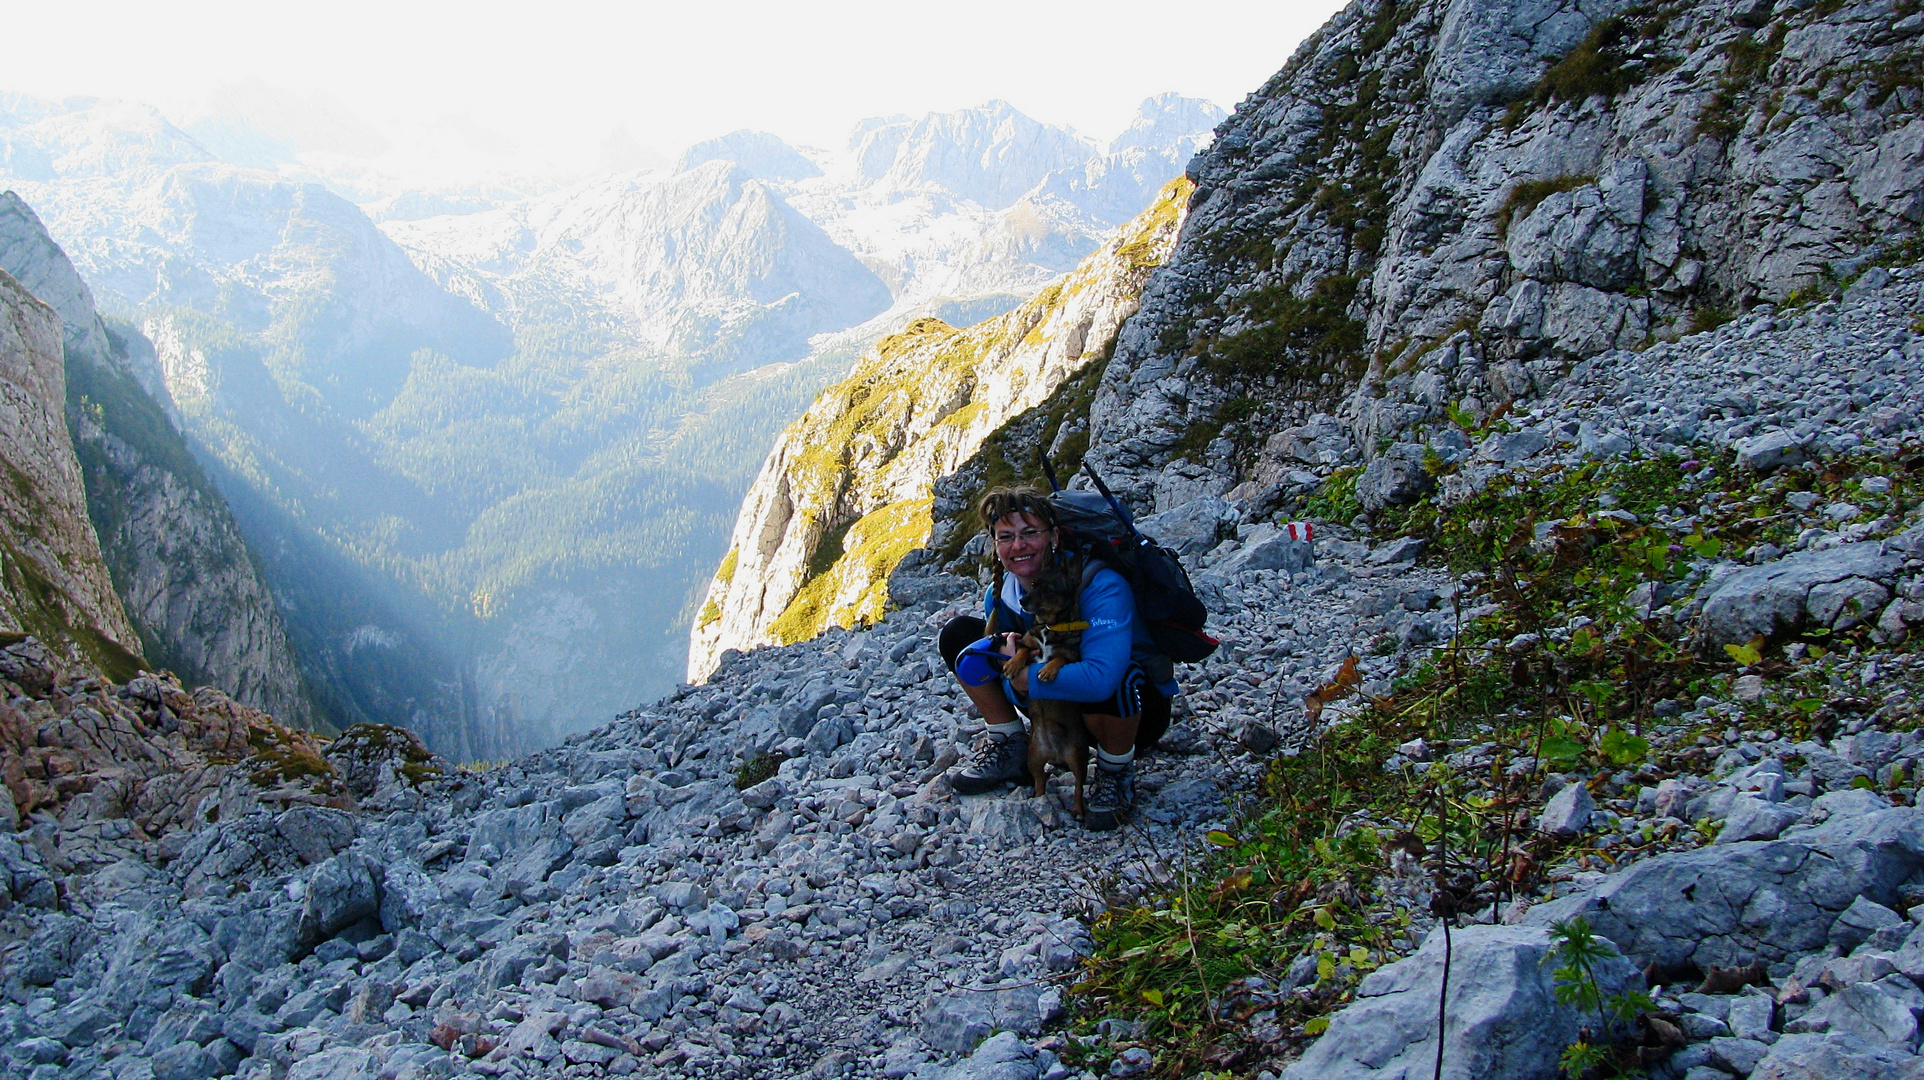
x,y
846,492
53,583
179,564
1441,204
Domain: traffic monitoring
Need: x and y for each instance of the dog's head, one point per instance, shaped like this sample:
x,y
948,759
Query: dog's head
x,y
1052,599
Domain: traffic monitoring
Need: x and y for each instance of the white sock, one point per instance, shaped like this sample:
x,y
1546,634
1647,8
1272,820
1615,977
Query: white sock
x,y
1013,727
1115,762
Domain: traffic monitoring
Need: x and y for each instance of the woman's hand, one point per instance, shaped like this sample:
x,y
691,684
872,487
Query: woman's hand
x,y
1006,645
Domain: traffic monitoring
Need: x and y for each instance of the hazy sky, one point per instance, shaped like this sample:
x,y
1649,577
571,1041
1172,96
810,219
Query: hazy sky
x,y
556,79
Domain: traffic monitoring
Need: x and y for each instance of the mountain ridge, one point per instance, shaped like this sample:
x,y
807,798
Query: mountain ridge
x,y
56,585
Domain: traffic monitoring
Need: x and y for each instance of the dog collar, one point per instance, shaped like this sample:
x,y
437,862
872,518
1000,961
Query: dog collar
x,y
1067,627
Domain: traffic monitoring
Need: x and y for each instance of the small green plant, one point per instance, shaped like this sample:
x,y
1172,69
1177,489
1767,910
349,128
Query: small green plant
x,y
711,614
756,769
1577,952
1622,747
1337,500
1708,317
1580,1058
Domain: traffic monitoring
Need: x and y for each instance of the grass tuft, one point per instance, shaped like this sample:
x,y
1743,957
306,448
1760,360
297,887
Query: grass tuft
x,y
756,769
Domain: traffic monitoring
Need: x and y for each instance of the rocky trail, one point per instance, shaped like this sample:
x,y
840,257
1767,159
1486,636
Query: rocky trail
x,y
619,905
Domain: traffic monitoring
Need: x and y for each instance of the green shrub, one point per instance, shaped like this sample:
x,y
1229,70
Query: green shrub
x,y
1313,332
1336,502
1708,317
1606,63
756,769
1526,196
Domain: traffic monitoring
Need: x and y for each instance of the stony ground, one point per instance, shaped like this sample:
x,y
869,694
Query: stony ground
x,y
767,875
618,905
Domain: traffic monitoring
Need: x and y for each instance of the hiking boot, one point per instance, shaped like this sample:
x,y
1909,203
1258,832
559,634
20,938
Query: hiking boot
x,y
993,761
1110,798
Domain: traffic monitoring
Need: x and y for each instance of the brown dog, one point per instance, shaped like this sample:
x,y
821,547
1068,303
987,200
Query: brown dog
x,y
1057,734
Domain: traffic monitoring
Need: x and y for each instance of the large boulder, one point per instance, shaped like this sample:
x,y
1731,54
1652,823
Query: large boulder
x,y
315,833
266,936
1733,904
148,953
408,896
1838,588
1394,479
52,951
531,866
23,876
1503,1020
505,965
1192,528
338,1063
1771,450
1003,1057
1269,548
341,893
219,859
1883,1012
597,820
954,1023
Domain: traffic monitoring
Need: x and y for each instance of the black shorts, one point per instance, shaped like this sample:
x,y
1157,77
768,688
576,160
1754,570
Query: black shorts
x,y
1136,695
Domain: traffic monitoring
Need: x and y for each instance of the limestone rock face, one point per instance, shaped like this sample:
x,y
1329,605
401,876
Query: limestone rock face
x,y
847,491
178,562
1751,900
1442,205
53,583
1834,588
1504,1017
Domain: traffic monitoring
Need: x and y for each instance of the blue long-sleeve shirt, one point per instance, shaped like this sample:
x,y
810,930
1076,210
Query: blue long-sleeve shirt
x,y
1114,637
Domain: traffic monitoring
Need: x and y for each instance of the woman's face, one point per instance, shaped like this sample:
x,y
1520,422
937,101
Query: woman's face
x,y
1022,542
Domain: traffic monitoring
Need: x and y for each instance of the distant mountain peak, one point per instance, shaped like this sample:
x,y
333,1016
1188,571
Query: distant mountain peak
x,y
764,156
992,153
1165,120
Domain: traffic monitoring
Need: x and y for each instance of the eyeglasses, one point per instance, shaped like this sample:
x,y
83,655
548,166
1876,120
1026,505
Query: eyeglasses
x,y
1026,536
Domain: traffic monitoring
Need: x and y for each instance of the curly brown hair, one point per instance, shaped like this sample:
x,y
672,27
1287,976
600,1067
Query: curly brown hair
x,y
998,503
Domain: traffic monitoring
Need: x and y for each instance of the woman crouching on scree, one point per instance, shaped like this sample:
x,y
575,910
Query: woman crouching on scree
x,y
1121,707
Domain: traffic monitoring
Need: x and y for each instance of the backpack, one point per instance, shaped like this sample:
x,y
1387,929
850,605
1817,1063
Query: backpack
x,y
1165,600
